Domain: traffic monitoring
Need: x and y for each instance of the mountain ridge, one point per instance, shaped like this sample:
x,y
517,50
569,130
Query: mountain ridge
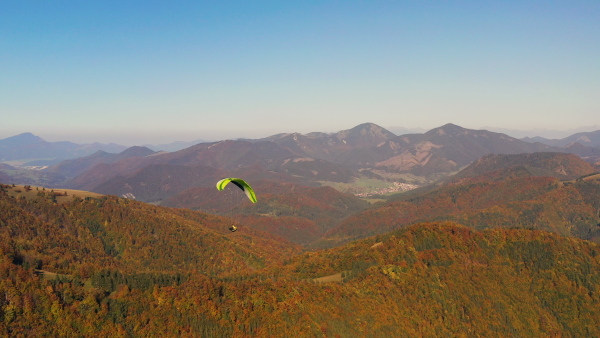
x,y
27,146
591,139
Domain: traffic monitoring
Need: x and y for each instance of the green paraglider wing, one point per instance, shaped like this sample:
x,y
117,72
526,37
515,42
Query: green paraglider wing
x,y
240,183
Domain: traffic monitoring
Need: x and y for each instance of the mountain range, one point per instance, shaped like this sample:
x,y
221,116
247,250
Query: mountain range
x,y
366,152
364,147
27,147
32,150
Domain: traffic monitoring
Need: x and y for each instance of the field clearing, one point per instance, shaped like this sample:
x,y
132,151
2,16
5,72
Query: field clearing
x,y
373,200
361,185
592,177
329,279
51,276
61,195
47,275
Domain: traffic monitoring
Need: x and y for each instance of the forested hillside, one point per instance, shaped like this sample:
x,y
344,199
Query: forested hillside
x,y
548,191
295,212
120,268
88,234
558,165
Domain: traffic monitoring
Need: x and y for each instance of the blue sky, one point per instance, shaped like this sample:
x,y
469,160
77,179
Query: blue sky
x,y
136,72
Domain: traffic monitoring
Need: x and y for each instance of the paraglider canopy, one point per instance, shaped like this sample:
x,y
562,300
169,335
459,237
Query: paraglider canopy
x,y
240,183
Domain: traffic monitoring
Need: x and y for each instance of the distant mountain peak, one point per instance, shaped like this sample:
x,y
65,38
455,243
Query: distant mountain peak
x,y
367,125
27,135
370,127
135,151
366,132
22,139
449,129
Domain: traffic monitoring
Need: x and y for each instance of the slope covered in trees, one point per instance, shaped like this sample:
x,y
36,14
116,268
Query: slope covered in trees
x,y
559,165
86,234
528,202
436,279
492,194
295,212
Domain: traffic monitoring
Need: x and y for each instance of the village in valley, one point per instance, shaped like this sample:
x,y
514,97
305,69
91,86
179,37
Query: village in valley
x,y
396,187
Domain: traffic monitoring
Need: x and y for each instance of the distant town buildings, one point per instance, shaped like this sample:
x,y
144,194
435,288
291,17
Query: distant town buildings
x,y
397,187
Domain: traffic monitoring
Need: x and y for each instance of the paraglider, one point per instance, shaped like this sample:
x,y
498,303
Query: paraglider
x,y
240,183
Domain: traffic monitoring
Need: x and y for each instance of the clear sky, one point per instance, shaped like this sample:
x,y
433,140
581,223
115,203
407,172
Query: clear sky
x,y
136,72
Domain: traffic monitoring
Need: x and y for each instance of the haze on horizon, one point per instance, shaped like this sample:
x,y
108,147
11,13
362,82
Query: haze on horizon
x,y
140,72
